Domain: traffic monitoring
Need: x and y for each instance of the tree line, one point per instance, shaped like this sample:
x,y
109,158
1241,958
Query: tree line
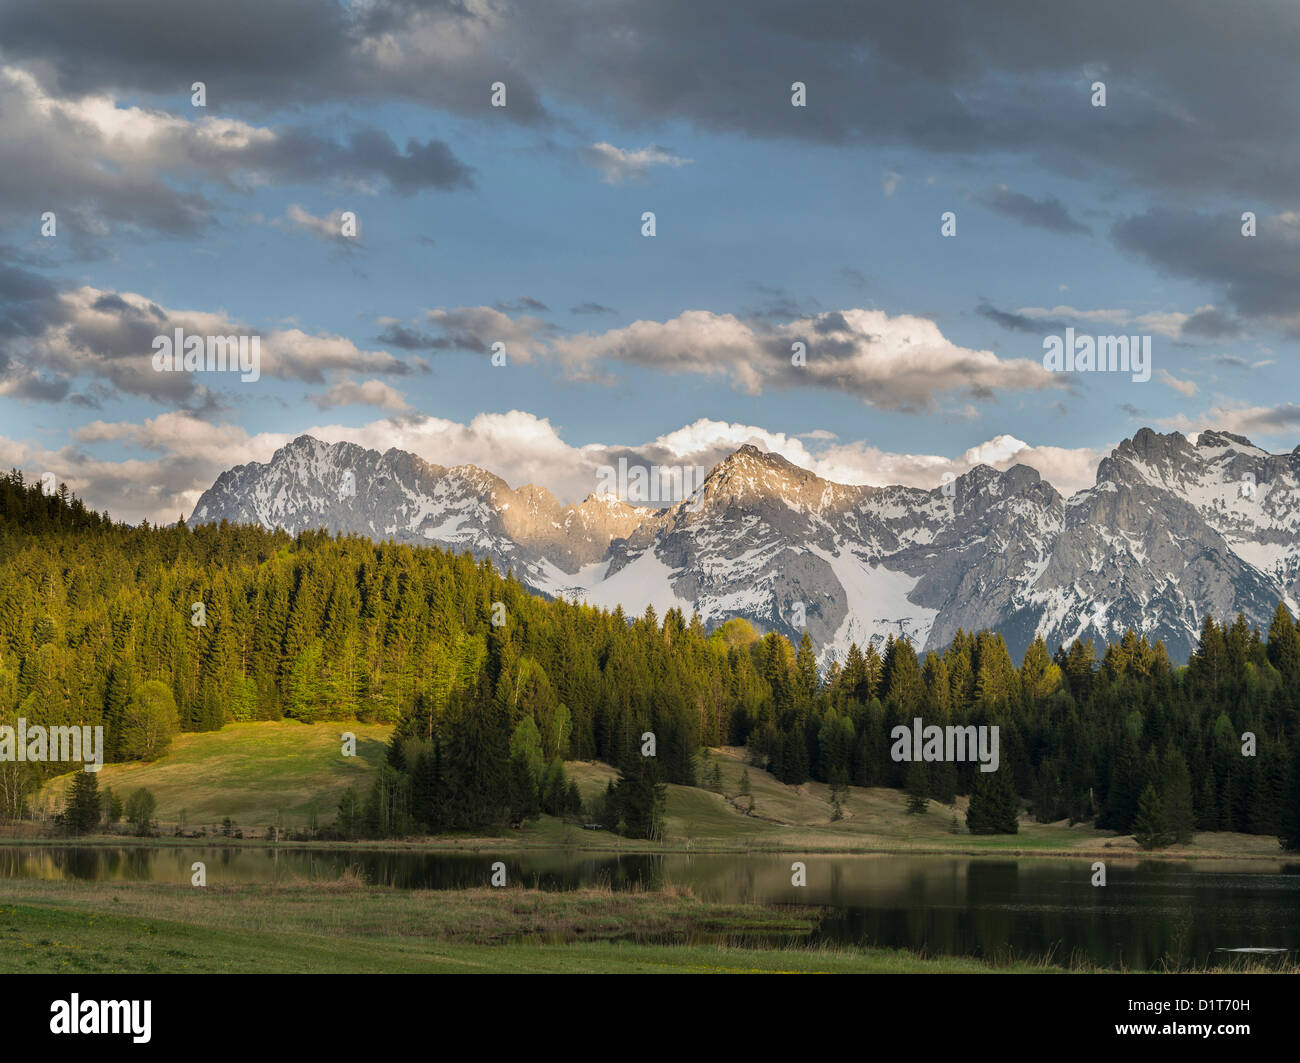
x,y
148,630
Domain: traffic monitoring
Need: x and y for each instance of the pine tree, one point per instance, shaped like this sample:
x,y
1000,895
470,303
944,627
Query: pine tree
x,y
81,816
993,805
918,788
1289,835
641,799
350,819
1180,816
1150,828
524,802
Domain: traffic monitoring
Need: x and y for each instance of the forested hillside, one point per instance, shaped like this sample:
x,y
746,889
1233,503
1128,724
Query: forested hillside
x,y
100,624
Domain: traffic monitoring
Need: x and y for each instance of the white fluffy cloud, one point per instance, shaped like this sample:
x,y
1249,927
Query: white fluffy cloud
x,y
625,164
107,337
900,363
363,393
1254,422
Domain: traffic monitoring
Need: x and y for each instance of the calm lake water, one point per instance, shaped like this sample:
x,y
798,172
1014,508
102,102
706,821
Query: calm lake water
x,y
974,906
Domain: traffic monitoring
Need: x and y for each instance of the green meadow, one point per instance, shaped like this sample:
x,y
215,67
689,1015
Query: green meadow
x,y
292,774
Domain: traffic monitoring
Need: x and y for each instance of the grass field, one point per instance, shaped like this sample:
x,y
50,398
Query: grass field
x,y
260,774
334,927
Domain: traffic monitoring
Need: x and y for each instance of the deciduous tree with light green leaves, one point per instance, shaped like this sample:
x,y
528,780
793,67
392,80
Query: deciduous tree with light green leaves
x,y
149,722
140,807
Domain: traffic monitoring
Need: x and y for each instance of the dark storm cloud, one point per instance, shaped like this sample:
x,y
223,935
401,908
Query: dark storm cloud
x,y
986,78
274,53
1212,324
1047,213
28,302
63,154
1257,275
1193,105
369,152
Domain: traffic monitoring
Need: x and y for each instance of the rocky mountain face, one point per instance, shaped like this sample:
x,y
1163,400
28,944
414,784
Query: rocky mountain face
x,y
1170,532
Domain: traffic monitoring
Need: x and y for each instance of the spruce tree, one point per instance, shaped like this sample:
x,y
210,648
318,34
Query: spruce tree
x,y
993,804
83,810
918,788
1289,835
1177,800
1150,829
641,799
350,819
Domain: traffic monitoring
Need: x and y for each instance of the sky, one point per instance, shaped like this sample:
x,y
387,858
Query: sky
x,y
499,159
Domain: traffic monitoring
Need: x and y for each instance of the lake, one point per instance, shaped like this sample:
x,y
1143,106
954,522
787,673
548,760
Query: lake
x,y
987,907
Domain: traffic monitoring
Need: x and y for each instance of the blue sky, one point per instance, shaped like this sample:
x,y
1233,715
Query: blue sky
x,y
523,224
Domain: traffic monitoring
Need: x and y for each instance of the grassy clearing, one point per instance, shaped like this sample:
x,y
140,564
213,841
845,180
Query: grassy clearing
x,y
251,772
320,927
798,819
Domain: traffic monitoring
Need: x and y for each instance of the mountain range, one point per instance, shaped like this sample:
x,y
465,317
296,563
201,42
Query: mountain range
x,y
1171,531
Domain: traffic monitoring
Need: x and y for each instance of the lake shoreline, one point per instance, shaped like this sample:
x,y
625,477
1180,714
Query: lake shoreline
x,y
632,847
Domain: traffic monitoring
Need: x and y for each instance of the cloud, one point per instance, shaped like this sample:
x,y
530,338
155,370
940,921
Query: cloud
x,y
59,337
477,328
328,227
363,393
523,303
592,308
898,363
1068,470
970,80
1234,362
1206,322
433,55
1048,213
99,164
1070,313
619,164
1019,322
1258,276
1273,422
1183,387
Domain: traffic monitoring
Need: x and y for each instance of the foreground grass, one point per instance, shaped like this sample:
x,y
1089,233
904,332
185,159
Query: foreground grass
x,y
346,926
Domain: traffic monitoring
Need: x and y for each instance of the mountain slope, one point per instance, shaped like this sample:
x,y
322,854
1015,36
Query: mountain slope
x,y
1171,531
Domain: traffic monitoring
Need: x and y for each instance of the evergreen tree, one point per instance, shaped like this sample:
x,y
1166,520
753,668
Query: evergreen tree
x,y
1179,814
524,801
1289,835
641,799
1150,828
993,805
351,818
918,788
81,816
